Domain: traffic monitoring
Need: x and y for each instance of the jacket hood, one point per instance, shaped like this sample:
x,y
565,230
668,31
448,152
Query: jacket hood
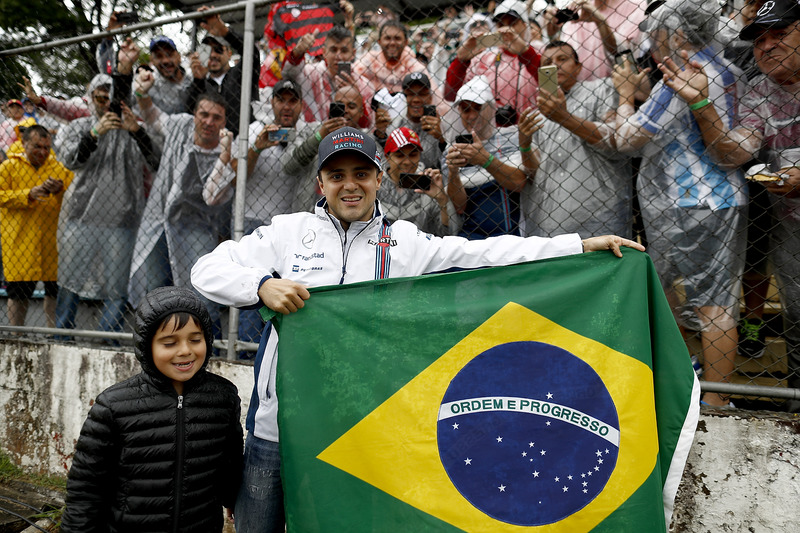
x,y
159,304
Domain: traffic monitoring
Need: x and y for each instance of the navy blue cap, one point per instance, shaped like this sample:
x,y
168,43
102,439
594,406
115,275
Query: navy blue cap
x,y
774,14
348,140
162,40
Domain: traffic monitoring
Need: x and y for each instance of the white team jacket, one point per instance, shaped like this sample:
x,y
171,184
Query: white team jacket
x,y
314,250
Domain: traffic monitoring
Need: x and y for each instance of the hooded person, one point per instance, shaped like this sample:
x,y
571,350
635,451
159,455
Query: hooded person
x,y
140,463
483,171
109,154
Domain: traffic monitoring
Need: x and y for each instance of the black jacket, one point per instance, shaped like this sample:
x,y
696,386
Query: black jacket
x,y
148,460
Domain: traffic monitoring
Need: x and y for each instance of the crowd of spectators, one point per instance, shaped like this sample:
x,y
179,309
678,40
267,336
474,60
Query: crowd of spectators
x,y
659,110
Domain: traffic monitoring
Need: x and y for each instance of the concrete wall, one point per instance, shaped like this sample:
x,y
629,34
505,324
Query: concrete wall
x,y
743,473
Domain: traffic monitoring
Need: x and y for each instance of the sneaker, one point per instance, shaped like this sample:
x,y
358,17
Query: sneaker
x,y
752,338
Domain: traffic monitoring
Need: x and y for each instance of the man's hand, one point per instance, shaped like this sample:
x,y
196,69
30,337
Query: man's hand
x,y
475,153
553,106
199,70
433,127
530,122
129,121
470,48
789,187
283,295
144,81
691,83
29,91
262,141
344,79
436,190
53,185
332,124
128,55
109,121
304,44
609,242
213,24
382,120
512,41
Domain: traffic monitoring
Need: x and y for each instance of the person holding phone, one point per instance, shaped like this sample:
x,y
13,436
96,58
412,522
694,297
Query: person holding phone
x,y
581,182
421,116
483,165
414,192
510,66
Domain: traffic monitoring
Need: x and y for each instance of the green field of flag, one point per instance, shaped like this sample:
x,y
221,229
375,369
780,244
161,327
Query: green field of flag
x,y
556,395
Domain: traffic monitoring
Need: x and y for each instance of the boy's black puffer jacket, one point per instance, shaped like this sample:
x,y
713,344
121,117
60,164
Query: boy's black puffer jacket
x,y
148,460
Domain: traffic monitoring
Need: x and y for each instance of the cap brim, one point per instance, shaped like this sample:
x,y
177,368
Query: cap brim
x,y
346,150
753,30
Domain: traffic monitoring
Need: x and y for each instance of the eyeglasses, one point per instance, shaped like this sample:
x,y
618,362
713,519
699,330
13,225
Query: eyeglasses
x,y
101,99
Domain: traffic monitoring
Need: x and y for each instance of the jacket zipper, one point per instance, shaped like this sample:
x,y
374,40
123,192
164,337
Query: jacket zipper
x,y
345,249
178,466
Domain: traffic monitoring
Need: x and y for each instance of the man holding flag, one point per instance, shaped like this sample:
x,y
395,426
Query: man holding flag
x,y
345,241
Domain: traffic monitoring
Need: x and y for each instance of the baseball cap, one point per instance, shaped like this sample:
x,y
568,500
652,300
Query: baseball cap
x,y
348,140
774,14
215,39
162,40
475,90
416,77
14,101
401,137
286,85
511,7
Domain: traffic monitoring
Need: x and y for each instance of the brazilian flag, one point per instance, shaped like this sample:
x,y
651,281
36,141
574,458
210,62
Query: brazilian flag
x,y
556,395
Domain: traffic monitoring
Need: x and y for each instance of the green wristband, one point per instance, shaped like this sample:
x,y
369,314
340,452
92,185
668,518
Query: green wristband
x,y
257,150
525,149
488,161
702,103
318,136
94,132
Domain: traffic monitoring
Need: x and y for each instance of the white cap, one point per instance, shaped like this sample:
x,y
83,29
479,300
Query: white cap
x,y
475,90
512,7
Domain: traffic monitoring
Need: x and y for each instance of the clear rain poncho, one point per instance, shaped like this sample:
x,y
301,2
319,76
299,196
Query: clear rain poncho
x,y
101,207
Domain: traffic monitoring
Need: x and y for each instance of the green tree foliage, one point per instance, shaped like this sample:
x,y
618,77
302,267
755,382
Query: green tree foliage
x,y
64,70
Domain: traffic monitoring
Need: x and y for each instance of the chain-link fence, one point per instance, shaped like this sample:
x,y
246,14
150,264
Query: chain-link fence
x,y
510,118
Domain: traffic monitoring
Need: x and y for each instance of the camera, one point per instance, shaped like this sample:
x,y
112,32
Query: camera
x,y
506,116
127,17
566,15
337,110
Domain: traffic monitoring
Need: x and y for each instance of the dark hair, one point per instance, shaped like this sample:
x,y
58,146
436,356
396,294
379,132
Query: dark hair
x,y
27,132
181,319
559,44
339,33
393,24
213,97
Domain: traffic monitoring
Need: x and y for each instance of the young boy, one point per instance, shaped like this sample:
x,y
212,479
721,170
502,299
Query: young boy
x,y
160,451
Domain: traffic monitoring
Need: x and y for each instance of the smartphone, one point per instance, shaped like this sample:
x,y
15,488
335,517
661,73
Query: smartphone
x,y
620,57
566,15
487,40
281,135
337,110
115,107
345,68
429,111
415,181
464,139
204,53
548,79
127,17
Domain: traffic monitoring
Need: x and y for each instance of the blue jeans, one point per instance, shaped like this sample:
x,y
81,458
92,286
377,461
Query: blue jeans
x,y
112,319
259,505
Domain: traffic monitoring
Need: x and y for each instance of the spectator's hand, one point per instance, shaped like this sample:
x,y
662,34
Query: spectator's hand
x,y
344,79
283,295
304,44
332,124
225,143
213,24
469,48
789,187
691,83
29,91
199,70
348,10
129,121
551,25
109,121
553,106
512,41
38,192
229,515
437,187
625,81
433,127
609,242
128,55
588,12
382,120
144,81
530,122
469,10
53,186
262,141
